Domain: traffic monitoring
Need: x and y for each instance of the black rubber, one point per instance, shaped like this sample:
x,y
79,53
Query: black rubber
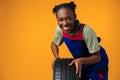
x,y
62,70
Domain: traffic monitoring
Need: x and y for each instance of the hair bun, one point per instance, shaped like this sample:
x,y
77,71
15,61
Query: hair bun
x,y
72,4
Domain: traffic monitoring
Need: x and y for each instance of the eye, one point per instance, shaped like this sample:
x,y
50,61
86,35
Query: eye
x,y
60,19
69,18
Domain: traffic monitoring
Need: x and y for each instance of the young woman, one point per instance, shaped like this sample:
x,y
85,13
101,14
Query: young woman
x,y
81,41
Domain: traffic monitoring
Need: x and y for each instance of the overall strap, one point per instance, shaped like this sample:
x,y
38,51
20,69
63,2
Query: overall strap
x,y
81,27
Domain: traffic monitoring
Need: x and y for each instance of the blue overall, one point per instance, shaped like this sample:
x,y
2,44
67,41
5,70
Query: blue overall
x,y
78,49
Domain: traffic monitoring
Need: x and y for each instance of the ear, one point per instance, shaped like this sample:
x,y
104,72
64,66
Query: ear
x,y
75,16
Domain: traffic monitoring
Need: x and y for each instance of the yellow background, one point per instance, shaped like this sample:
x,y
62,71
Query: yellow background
x,y
27,28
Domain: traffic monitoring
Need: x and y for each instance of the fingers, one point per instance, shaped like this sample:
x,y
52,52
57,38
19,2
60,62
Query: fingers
x,y
53,62
80,66
72,63
77,67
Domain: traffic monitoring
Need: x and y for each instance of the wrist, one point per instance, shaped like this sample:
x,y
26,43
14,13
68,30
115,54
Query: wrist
x,y
57,57
80,60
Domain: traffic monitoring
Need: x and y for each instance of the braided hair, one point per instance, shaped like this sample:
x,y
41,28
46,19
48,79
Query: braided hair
x,y
69,5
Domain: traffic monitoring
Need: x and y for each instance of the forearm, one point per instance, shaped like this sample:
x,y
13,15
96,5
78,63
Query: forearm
x,y
55,50
95,58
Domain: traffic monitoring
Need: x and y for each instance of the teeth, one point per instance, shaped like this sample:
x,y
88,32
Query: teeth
x,y
66,28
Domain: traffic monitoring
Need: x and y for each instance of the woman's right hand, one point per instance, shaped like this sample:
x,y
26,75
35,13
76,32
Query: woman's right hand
x,y
54,61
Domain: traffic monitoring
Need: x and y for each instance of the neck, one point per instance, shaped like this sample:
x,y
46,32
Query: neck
x,y
75,27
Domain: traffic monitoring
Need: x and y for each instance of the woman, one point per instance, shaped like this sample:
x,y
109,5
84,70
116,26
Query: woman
x,y
81,41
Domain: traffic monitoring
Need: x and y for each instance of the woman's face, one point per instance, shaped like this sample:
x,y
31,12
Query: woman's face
x,y
66,19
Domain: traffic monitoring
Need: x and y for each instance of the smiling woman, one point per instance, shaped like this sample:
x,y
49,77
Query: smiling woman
x,y
81,41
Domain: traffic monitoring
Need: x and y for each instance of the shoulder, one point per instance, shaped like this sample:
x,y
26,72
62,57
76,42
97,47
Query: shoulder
x,y
58,32
58,36
58,29
87,29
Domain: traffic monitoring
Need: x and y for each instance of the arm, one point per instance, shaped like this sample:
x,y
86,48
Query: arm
x,y
90,39
55,50
95,58
57,41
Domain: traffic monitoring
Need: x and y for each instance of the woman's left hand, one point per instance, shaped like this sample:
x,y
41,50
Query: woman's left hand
x,y
78,65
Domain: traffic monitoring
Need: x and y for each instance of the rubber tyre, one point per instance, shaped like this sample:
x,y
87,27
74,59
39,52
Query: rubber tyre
x,y
62,70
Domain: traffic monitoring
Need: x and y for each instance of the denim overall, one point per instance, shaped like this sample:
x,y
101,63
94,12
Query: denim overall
x,y
77,47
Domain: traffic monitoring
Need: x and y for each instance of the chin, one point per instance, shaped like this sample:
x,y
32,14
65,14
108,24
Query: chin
x,y
67,31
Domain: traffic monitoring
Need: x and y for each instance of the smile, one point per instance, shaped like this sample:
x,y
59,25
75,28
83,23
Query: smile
x,y
66,28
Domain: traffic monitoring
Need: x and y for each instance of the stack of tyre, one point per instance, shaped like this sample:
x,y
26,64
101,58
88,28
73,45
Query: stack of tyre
x,y
62,70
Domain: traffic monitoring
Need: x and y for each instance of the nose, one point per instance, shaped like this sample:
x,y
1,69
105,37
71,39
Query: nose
x,y
65,23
